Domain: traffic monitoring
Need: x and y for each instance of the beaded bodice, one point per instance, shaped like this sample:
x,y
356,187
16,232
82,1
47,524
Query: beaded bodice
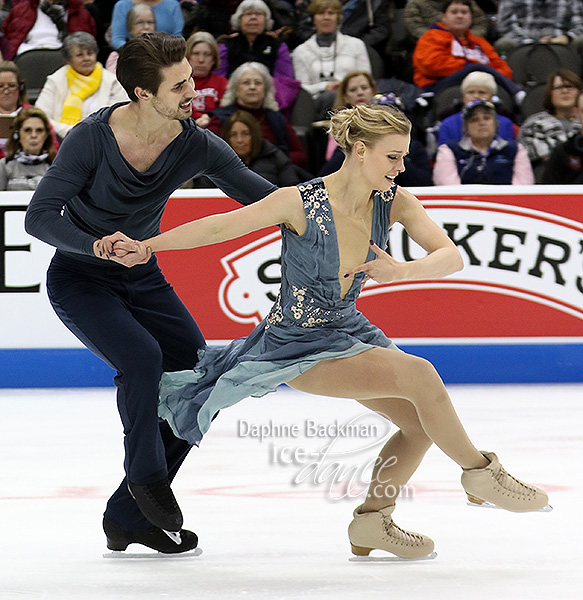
x,y
310,294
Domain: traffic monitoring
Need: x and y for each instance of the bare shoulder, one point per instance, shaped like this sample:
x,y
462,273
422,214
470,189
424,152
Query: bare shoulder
x,y
405,205
290,203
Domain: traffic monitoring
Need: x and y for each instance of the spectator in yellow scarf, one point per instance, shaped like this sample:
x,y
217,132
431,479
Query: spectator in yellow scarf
x,y
79,88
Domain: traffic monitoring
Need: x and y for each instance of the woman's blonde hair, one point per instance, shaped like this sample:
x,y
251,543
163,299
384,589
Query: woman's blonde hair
x,y
367,124
204,37
319,6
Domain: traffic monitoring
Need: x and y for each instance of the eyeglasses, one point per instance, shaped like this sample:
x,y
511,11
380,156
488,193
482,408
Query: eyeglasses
x,y
565,86
37,130
257,13
8,86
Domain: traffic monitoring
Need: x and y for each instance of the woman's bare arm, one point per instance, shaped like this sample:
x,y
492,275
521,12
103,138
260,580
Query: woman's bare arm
x,y
282,206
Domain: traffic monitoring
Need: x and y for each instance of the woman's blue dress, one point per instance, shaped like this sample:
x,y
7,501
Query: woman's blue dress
x,y
308,322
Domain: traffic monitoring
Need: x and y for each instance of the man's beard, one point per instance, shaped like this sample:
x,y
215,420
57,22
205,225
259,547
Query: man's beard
x,y
170,113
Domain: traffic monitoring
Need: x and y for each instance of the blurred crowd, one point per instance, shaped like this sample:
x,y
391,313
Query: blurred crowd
x,y
492,87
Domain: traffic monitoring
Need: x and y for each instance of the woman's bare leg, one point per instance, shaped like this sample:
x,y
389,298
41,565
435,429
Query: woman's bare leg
x,y
400,456
381,375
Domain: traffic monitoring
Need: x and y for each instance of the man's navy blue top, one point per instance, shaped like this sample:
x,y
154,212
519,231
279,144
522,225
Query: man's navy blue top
x,y
91,191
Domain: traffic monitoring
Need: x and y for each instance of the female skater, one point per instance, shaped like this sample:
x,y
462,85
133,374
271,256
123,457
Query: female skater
x,y
316,341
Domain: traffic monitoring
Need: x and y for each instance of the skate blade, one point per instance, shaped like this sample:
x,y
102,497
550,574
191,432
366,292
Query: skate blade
x,y
547,508
390,558
120,554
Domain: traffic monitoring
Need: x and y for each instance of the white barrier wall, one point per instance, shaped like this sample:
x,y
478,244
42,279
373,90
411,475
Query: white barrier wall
x,y
515,313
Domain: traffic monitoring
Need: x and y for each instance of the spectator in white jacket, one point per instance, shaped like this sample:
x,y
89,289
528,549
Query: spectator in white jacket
x,y
79,88
322,61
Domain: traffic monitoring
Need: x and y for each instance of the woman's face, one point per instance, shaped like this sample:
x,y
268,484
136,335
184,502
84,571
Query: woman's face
x,y
481,126
33,134
326,21
476,92
251,89
83,60
252,22
564,93
358,91
8,92
240,140
144,23
382,162
201,59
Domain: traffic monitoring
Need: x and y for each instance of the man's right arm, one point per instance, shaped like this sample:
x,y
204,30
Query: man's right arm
x,y
63,181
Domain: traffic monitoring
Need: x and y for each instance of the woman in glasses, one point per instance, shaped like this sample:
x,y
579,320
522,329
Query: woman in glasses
x,y
12,96
140,19
541,132
29,152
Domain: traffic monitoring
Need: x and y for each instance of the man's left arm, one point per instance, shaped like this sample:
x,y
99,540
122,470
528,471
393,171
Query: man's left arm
x,y
228,172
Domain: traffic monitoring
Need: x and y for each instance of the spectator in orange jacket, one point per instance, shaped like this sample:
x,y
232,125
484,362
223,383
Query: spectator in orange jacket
x,y
448,51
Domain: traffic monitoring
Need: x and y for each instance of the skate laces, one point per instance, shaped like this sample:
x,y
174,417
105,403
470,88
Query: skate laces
x,y
512,484
400,534
161,494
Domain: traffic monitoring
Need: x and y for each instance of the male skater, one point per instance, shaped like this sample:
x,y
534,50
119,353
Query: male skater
x,y
115,172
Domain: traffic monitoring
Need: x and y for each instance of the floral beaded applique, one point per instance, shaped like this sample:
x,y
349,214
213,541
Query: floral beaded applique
x,y
389,195
314,206
275,315
307,314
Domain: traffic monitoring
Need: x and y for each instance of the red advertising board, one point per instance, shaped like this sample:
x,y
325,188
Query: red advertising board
x,y
523,275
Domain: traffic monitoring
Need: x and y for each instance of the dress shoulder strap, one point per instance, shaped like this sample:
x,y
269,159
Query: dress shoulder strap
x,y
316,205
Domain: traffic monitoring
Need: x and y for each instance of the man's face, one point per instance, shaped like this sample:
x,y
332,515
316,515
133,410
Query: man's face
x,y
457,18
176,92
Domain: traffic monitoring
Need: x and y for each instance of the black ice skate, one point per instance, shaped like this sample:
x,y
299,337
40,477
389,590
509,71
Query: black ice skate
x,y
158,504
119,539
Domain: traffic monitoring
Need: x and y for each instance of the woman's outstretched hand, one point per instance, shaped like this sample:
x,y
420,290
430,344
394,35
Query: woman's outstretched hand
x,y
121,249
384,269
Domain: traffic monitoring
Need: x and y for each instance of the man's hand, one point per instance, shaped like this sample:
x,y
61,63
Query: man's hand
x,y
121,249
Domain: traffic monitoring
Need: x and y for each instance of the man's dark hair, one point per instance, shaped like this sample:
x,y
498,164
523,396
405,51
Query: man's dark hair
x,y
447,4
142,59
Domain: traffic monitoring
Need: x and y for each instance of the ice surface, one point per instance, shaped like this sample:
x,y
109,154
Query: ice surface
x,y
270,513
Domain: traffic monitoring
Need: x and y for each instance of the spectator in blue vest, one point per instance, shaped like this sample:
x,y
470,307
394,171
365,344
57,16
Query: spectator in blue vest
x,y
482,156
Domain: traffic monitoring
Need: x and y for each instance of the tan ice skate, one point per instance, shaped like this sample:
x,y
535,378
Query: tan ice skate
x,y
493,484
376,530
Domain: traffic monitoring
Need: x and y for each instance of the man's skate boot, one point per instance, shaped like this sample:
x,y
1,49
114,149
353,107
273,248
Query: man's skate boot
x,y
158,504
376,530
493,484
119,539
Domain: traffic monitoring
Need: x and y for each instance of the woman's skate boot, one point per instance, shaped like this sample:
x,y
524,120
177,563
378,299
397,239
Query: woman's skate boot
x,y
376,530
493,484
